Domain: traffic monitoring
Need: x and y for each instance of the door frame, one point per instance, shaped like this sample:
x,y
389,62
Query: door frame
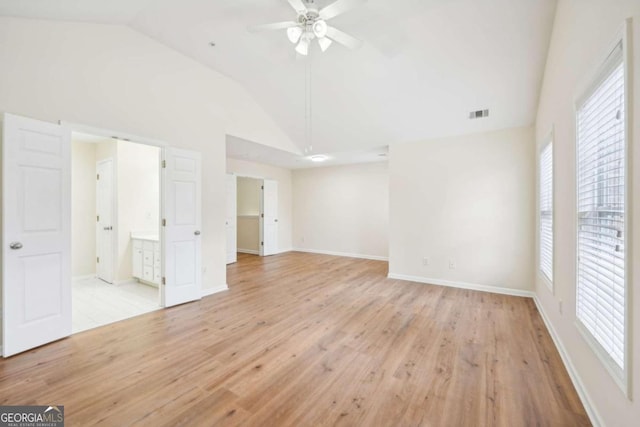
x,y
114,214
122,136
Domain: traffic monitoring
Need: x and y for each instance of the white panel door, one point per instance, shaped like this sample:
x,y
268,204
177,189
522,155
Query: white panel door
x,y
269,218
231,219
105,234
36,233
183,216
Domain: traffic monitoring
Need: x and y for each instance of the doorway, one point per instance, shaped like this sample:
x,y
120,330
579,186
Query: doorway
x,y
37,228
252,209
115,199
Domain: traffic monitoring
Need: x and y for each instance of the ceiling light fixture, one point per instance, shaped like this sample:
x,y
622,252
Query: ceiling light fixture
x,y
311,23
317,158
320,28
324,43
294,34
303,46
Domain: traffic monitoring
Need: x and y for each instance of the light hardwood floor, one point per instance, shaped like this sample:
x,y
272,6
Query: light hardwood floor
x,y
306,340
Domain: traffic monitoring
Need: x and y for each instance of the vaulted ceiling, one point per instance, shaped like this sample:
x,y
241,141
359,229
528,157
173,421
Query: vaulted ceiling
x,y
424,65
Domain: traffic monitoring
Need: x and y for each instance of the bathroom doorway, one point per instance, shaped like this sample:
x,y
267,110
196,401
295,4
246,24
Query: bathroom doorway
x,y
115,241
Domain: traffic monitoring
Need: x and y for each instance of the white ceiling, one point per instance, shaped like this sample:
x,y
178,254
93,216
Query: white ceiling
x,y
241,149
424,66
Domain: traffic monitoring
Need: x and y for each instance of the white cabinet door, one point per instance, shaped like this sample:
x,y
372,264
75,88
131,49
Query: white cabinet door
x,y
136,261
36,234
269,218
231,219
183,215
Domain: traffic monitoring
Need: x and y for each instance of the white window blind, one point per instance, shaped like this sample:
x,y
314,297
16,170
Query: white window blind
x,y
546,211
601,286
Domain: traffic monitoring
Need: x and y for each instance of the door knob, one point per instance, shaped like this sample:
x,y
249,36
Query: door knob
x,y
15,245
108,228
275,220
197,232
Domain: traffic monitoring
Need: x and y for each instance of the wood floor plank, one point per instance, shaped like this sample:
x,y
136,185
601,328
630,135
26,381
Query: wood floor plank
x,y
306,340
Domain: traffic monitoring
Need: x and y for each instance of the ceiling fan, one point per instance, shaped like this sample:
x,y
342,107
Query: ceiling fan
x,y
311,24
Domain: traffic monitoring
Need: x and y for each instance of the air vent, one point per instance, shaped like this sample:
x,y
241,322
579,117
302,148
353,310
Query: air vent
x,y
479,114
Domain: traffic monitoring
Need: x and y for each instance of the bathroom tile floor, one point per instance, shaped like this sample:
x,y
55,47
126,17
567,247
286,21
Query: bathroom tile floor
x,y
96,303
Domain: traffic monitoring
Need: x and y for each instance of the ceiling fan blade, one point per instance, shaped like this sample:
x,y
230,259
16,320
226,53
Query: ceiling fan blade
x,y
274,26
298,5
343,38
339,7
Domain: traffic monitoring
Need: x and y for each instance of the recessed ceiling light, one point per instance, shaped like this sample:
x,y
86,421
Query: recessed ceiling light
x,y
318,158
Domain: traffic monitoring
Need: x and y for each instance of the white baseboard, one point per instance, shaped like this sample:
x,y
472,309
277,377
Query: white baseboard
x,y
594,417
87,277
463,285
210,291
248,251
343,254
282,251
125,282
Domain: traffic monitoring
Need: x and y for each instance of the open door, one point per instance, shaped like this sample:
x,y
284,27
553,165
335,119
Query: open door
x,y
36,233
269,218
231,219
182,220
105,235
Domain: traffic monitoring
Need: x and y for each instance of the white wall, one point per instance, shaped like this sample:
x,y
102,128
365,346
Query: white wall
x,y
138,193
469,200
248,222
83,209
342,209
283,176
114,78
582,34
249,196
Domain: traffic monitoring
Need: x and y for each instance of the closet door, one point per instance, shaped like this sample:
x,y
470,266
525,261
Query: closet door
x,y
269,218
36,233
182,219
232,218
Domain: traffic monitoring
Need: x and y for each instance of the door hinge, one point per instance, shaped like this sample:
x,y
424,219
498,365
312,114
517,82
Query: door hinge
x,y
98,177
261,215
98,260
164,164
262,187
164,222
97,218
164,281
261,243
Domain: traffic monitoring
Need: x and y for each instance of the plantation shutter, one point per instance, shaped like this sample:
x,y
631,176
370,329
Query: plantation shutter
x,y
546,211
601,212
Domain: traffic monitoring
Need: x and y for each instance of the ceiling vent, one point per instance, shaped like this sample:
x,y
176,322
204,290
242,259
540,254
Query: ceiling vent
x,y
479,114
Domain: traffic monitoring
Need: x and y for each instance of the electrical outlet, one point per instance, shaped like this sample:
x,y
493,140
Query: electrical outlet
x,y
425,261
452,264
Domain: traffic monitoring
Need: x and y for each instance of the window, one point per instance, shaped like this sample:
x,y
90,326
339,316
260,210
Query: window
x,y
601,195
546,212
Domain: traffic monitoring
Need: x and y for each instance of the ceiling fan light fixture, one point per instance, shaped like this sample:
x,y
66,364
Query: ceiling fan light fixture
x,y
324,43
318,158
294,34
320,28
303,46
